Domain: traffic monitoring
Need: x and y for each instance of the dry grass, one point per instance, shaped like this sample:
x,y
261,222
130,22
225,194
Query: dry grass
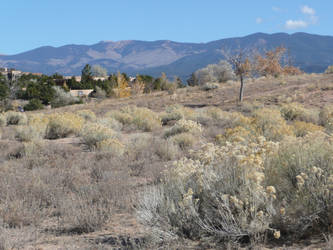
x,y
84,182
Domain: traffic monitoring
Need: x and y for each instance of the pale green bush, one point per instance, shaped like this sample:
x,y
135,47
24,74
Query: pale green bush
x,y
113,146
209,86
111,123
166,149
29,133
326,117
3,120
87,115
269,123
295,111
141,118
184,126
62,98
329,70
16,118
302,173
177,112
94,133
184,140
63,125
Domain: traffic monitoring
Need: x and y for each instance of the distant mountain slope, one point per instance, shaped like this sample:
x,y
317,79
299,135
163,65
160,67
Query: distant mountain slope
x,y
313,53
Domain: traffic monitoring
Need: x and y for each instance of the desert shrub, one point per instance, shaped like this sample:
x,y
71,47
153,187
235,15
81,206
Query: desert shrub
x,y
87,115
237,134
16,118
269,123
329,70
166,149
99,93
141,118
184,140
62,125
85,210
214,113
62,98
111,123
113,146
304,128
326,117
209,86
295,111
217,192
250,107
34,104
177,112
94,133
302,173
291,70
184,126
30,148
28,133
3,120
221,72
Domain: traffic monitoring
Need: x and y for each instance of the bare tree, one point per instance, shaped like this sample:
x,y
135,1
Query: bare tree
x,y
241,62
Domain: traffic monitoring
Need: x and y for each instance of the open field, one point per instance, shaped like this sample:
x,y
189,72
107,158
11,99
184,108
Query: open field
x,y
113,173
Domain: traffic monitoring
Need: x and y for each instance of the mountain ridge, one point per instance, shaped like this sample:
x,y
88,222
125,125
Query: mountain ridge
x,y
311,52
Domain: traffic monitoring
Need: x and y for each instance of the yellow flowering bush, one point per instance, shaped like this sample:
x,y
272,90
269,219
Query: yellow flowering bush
x,y
62,125
237,134
141,118
218,191
93,133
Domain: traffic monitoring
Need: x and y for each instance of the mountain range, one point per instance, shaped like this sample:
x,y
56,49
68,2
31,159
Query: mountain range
x,y
312,53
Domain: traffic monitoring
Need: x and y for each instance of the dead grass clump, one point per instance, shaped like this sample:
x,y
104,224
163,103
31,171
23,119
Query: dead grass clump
x,y
16,118
141,118
63,125
295,111
85,210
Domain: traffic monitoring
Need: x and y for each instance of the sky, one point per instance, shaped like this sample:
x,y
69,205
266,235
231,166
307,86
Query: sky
x,y
28,24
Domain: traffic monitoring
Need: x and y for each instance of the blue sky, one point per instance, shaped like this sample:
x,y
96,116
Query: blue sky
x,y
28,24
